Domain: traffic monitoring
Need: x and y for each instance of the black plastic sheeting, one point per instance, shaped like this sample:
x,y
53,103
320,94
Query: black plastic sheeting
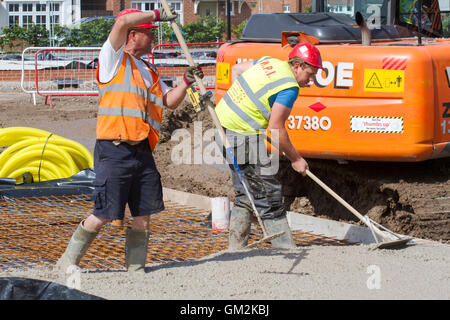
x,y
328,27
15,288
80,183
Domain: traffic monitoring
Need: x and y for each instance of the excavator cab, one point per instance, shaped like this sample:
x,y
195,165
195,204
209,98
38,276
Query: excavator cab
x,y
435,13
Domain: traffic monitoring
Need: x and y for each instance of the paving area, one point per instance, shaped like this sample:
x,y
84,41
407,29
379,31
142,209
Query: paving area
x,y
34,231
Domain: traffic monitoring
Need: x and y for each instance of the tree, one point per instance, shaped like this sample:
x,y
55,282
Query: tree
x,y
206,29
13,36
36,35
96,32
237,31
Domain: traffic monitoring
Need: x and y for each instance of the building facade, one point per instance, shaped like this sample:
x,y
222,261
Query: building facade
x,y
40,12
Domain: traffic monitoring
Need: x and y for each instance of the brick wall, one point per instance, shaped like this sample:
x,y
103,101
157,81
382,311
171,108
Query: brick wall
x,y
188,12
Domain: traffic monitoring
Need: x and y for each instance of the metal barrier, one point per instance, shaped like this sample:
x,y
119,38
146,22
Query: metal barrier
x,y
59,72
171,62
71,71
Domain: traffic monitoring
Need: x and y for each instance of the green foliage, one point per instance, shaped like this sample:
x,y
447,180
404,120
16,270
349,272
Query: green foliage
x,y
206,29
237,31
308,9
95,33
36,35
13,35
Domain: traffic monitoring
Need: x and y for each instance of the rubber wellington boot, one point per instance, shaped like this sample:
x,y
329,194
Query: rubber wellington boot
x,y
240,222
136,246
277,225
78,245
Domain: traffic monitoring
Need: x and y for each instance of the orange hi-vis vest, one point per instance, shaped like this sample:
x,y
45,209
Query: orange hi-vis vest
x,y
128,110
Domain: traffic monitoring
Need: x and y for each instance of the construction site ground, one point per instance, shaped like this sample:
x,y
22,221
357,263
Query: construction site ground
x,y
408,198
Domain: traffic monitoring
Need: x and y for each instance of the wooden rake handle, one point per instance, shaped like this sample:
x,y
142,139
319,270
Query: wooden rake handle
x,y
199,82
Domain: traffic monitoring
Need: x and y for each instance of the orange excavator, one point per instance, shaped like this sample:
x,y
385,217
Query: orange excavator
x,y
384,93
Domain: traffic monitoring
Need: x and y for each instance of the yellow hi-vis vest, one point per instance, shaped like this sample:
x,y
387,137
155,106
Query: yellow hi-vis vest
x,y
245,107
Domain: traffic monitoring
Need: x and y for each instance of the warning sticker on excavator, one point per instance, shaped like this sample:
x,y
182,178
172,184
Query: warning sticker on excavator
x,y
376,124
223,72
381,80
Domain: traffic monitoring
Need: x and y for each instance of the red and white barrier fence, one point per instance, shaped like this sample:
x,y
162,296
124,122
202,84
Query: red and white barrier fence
x,y
71,71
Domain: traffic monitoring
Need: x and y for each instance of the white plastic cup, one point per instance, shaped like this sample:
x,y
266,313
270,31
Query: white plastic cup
x,y
220,209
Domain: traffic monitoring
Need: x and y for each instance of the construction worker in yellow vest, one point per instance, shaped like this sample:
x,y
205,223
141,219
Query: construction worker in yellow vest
x,y
258,103
132,99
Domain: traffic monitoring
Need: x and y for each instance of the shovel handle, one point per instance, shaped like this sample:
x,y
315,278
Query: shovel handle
x,y
198,80
345,204
336,196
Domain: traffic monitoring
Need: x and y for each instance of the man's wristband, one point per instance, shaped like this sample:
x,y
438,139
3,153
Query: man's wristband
x,y
156,11
188,83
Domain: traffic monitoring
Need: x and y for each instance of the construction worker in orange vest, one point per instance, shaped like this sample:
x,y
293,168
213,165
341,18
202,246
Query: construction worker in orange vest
x,y
132,99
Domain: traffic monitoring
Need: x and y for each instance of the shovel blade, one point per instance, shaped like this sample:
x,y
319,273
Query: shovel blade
x,y
265,239
393,244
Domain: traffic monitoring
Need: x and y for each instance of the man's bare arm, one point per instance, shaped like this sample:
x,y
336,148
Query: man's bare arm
x,y
118,34
277,128
240,68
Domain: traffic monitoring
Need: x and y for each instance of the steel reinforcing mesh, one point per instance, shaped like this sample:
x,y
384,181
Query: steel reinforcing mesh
x,y
34,232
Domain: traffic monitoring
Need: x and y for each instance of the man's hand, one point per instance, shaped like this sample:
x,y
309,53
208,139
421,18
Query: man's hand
x,y
191,72
161,15
300,166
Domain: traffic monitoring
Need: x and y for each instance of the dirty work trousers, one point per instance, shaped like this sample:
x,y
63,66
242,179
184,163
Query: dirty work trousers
x,y
259,169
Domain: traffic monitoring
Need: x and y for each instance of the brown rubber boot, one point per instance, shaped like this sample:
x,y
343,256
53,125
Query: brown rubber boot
x,y
240,222
285,241
136,246
78,245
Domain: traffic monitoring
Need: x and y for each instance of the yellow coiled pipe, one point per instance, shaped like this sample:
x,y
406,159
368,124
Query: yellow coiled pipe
x,y
45,155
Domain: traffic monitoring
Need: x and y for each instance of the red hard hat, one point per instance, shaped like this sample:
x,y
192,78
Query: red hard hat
x,y
144,25
308,53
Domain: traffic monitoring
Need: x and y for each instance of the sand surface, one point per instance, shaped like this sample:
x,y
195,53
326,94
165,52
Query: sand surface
x,y
316,272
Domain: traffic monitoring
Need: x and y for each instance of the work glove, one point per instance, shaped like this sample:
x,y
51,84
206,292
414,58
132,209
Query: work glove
x,y
190,72
161,15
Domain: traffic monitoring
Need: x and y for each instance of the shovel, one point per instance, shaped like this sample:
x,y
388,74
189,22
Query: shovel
x,y
394,240
218,126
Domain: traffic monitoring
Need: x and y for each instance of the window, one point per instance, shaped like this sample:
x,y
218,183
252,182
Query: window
x,y
286,8
13,20
135,5
54,7
176,5
13,7
231,9
27,21
155,4
41,7
149,6
41,20
54,19
27,7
